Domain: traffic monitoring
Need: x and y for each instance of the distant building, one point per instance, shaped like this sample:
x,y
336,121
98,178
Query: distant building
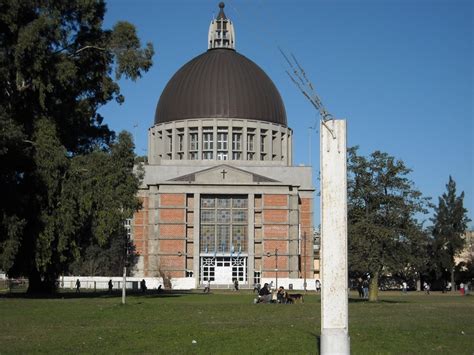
x,y
221,197
317,254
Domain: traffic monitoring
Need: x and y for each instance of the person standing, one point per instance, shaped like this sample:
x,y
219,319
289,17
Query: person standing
x,y
236,285
318,286
207,288
110,286
360,288
78,286
143,285
404,287
365,288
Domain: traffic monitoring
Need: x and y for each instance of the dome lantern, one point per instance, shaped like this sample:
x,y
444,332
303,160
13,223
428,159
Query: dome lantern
x,y
221,31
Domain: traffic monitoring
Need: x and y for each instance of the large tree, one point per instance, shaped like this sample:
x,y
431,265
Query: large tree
x,y
449,224
66,182
384,234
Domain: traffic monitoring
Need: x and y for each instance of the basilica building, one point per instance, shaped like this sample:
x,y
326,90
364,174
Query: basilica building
x,y
221,197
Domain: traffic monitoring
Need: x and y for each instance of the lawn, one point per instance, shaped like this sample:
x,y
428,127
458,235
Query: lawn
x,y
228,322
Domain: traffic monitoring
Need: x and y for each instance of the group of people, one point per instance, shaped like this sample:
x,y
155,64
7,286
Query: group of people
x,y
363,288
110,286
265,295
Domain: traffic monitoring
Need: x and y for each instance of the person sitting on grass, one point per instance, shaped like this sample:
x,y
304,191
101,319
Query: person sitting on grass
x,y
264,296
257,287
281,295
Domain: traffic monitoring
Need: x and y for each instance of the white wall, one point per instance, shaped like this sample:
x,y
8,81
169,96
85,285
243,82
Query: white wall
x,y
152,283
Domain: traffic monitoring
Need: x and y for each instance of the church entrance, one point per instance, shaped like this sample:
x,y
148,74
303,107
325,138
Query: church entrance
x,y
223,270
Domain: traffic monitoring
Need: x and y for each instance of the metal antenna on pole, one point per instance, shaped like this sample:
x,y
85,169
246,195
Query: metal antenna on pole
x,y
299,78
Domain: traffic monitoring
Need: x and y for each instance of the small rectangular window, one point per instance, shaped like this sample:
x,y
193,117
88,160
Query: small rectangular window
x,y
222,141
250,142
236,141
193,141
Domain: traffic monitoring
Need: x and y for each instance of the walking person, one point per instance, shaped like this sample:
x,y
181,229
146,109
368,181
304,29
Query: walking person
x,y
426,287
207,288
236,285
360,287
78,286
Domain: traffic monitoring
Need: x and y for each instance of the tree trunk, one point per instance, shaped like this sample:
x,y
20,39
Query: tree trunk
x,y
38,284
374,288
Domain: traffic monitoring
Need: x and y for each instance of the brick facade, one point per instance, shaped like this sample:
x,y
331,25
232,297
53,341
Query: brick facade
x,y
168,229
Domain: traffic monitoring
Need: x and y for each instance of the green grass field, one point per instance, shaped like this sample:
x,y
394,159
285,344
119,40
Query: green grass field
x,y
230,323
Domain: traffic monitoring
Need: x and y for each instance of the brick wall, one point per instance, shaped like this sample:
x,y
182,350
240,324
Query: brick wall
x,y
172,233
173,200
275,216
171,215
140,230
275,231
270,200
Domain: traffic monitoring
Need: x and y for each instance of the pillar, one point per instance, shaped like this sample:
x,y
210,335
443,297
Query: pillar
x,y
334,273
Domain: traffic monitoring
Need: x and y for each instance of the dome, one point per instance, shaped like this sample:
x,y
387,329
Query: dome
x,y
220,83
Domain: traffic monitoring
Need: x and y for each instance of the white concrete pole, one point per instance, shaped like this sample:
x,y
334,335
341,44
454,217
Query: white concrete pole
x,y
124,284
334,294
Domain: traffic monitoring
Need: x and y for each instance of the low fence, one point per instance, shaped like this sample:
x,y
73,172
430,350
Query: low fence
x,y
13,284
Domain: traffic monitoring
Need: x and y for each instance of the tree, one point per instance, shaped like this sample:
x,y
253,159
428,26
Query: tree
x,y
58,66
384,235
449,224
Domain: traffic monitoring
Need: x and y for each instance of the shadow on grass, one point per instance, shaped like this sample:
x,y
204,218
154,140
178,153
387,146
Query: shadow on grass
x,y
362,300
96,294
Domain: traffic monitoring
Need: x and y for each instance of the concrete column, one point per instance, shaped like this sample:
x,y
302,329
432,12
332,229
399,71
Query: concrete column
x,y
244,142
200,141
251,239
334,294
196,242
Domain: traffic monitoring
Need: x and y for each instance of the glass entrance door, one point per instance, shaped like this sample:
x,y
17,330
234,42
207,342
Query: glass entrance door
x,y
223,270
223,275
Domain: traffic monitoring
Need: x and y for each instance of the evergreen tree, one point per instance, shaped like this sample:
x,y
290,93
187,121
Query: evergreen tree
x,y
66,181
449,224
384,235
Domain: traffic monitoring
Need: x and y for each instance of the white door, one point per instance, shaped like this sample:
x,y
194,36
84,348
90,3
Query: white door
x,y
223,275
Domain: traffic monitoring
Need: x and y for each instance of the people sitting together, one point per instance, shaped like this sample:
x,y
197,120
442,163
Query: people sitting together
x,y
265,295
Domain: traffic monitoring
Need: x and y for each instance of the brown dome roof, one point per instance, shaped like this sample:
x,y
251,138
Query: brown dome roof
x,y
220,83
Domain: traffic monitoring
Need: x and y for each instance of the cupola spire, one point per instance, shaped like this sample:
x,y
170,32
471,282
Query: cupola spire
x,y
221,31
